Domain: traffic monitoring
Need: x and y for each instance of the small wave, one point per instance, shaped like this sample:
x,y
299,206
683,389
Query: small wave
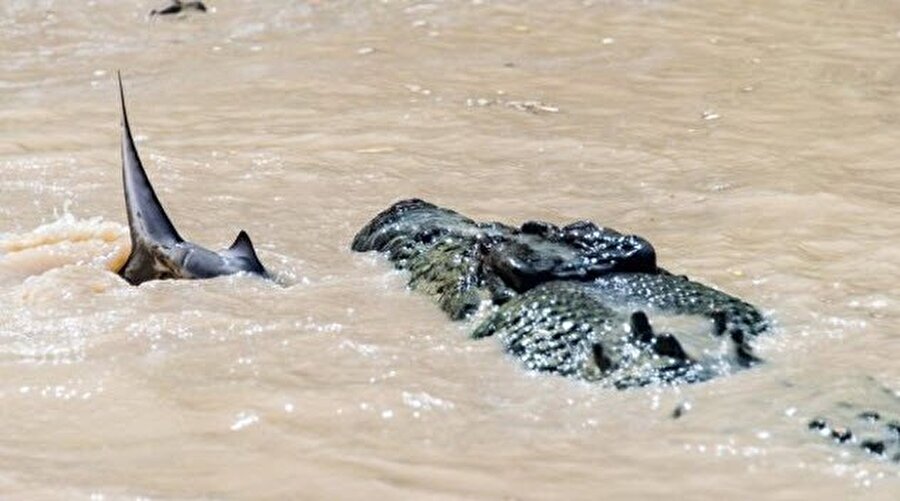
x,y
66,241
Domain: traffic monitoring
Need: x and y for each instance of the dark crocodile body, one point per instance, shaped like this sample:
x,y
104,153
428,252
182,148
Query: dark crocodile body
x,y
599,329
588,303
573,300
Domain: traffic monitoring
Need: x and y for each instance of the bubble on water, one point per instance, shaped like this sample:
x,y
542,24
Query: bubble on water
x,y
243,420
424,401
366,350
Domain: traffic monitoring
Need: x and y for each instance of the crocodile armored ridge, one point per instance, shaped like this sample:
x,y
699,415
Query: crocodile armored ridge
x,y
576,300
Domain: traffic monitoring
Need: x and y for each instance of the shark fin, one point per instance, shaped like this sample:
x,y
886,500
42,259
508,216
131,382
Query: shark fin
x,y
243,248
147,220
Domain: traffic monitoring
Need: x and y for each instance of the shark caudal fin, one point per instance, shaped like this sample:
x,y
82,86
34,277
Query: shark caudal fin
x,y
157,250
147,220
242,248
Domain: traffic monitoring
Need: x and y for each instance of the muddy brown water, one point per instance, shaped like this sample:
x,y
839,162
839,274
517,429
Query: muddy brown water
x,y
753,143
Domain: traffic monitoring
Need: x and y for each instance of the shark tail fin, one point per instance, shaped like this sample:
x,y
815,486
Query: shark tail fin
x,y
243,248
147,219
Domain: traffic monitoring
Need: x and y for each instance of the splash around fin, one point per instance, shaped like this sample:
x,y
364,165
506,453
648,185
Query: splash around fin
x,y
157,249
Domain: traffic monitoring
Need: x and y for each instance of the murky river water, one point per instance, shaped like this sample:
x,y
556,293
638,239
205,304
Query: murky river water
x,y
754,143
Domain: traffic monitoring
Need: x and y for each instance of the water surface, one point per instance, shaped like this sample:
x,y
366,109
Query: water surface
x,y
753,143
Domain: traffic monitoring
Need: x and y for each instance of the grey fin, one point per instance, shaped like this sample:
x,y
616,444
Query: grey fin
x,y
243,248
147,220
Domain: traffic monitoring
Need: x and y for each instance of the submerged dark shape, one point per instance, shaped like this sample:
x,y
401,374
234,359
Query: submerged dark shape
x,y
178,6
868,431
575,300
157,250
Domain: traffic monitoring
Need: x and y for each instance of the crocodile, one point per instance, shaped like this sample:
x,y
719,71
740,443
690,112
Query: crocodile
x,y
586,302
577,300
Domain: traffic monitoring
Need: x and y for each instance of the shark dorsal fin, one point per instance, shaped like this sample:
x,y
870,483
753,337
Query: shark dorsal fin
x,y
243,248
146,218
